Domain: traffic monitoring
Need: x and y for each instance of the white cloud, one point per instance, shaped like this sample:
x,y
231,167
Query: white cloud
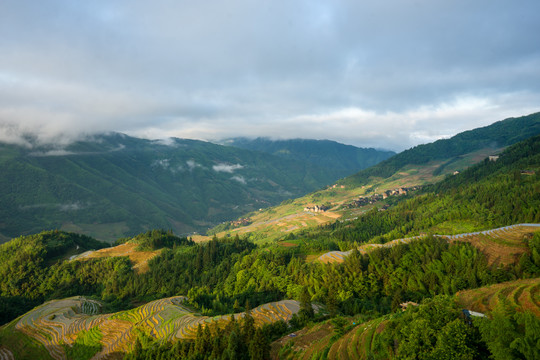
x,y
58,152
226,167
239,178
192,164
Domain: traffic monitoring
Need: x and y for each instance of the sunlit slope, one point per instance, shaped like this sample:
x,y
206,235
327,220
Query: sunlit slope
x,y
57,324
139,259
421,165
523,294
501,246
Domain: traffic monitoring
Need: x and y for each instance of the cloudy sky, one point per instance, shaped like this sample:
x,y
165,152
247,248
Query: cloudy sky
x,y
388,74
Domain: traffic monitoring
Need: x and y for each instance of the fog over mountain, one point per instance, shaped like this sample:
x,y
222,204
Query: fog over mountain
x,y
388,75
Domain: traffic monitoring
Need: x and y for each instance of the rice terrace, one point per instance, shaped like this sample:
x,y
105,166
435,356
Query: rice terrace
x,y
59,324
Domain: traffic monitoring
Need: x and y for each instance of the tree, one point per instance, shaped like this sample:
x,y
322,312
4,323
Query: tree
x,y
306,308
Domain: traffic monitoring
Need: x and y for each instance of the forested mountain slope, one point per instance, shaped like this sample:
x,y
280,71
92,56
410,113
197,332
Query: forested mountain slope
x,y
495,136
342,159
115,185
488,195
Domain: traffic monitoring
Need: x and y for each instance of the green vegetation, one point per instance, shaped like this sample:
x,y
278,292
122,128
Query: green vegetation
x,y
86,345
487,195
127,185
338,158
497,135
34,269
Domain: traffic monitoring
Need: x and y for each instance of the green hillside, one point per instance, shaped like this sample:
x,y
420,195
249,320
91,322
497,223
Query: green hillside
x,y
420,166
342,159
498,135
115,185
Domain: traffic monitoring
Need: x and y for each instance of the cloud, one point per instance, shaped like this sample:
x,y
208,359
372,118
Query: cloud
x,y
192,164
70,207
164,163
227,168
58,152
239,178
214,69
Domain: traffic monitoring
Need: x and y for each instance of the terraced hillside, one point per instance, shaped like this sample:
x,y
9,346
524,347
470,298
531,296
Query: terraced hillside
x,y
59,324
502,245
138,258
524,294
318,341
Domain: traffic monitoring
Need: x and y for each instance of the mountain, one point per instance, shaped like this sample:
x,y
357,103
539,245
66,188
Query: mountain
x,y
447,152
382,184
342,159
114,185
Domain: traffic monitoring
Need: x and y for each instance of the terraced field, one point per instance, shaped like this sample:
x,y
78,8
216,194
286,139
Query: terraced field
x,y
5,354
57,324
357,343
316,342
525,294
502,245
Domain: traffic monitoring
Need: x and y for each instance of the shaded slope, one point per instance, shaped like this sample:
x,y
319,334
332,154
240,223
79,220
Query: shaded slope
x,y
115,185
340,158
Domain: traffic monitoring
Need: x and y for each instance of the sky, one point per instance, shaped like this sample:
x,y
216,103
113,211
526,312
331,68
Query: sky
x,y
387,74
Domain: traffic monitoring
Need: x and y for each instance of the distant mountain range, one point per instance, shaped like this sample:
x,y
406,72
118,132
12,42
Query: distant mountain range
x,y
115,185
342,159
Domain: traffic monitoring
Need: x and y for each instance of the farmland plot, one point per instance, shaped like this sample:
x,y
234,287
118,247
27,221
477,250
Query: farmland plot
x,y
524,294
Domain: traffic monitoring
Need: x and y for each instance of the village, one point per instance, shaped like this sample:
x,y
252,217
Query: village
x,y
369,200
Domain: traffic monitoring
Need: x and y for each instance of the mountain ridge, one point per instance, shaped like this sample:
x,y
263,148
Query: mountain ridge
x,y
114,185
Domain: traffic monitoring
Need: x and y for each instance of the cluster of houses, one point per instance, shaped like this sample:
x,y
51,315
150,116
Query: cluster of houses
x,y
369,200
316,208
336,186
241,222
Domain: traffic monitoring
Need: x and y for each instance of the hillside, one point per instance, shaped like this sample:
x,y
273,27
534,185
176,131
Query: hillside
x,y
500,246
341,159
383,185
447,152
524,294
74,327
114,185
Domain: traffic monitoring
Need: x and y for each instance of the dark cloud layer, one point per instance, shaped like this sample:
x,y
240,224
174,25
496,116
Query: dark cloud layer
x,y
386,74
